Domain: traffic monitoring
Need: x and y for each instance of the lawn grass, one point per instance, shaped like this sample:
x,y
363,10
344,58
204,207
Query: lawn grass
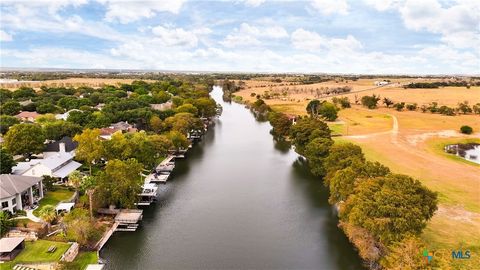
x,y
36,252
83,259
437,146
53,198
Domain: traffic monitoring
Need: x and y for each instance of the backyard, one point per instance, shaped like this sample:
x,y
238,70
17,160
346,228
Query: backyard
x,y
53,197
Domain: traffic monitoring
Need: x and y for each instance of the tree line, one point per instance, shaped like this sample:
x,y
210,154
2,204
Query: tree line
x,y
381,212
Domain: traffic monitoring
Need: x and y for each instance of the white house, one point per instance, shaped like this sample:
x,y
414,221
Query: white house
x,y
381,83
65,145
64,116
18,191
59,165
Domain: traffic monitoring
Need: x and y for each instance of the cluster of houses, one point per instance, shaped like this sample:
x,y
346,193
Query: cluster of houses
x,y
24,188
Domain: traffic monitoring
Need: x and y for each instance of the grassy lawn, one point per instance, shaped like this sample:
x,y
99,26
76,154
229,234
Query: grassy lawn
x,y
437,145
83,259
36,252
53,198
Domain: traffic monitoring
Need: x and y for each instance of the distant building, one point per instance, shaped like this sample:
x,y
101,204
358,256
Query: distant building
x,y
106,133
381,83
27,116
59,165
123,126
64,116
65,145
18,191
162,106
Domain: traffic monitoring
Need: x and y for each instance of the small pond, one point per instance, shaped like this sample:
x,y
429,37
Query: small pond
x,y
468,151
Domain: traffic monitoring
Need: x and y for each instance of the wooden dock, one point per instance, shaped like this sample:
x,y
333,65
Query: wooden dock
x,y
106,236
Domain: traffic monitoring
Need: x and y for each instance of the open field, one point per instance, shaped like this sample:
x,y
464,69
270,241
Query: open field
x,y
299,95
410,142
70,82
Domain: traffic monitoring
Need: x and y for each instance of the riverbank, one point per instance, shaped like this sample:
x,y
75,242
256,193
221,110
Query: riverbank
x,y
248,203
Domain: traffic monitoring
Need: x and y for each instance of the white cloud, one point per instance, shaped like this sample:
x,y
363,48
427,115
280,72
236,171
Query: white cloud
x,y
457,22
253,3
178,36
312,41
329,7
4,36
249,35
129,11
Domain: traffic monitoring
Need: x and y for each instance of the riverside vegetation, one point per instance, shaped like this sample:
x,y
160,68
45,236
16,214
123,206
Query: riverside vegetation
x,y
382,213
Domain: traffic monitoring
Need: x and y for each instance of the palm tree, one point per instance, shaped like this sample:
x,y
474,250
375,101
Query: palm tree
x,y
48,214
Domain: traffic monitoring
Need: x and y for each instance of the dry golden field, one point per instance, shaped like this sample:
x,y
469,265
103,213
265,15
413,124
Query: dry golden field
x,y
70,82
409,142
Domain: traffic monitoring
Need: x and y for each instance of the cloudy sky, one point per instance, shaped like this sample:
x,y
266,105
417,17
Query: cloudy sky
x,y
333,36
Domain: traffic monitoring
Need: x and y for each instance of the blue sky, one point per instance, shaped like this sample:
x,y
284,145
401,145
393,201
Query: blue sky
x,y
331,36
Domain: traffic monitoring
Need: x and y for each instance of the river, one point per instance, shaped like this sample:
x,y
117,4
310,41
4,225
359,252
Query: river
x,y
238,201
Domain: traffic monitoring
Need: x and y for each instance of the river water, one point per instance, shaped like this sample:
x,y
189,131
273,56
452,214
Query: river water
x,y
238,201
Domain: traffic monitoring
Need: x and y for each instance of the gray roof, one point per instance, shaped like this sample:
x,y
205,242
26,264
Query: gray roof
x,y
7,244
13,184
70,145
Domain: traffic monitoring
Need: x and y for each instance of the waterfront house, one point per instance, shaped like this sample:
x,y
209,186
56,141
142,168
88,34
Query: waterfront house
x,y
64,116
18,191
162,106
59,165
10,247
27,116
65,145
148,194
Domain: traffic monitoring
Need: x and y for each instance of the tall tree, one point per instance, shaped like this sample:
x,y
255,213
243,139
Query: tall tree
x,y
307,129
6,121
315,152
24,139
120,183
6,161
390,207
90,147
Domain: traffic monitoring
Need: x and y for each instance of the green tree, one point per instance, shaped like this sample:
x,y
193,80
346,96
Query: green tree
x,y
6,162
10,108
179,141
464,108
75,179
312,107
342,155
466,129
307,129
143,149
370,101
390,207
187,108
23,93
5,222
47,108
24,139
6,121
80,228
120,183
90,147
48,213
328,111
207,107
58,129
156,124
315,152
281,124
183,123
118,147
161,144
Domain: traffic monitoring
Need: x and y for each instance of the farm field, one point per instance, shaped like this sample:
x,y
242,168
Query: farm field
x,y
410,142
70,82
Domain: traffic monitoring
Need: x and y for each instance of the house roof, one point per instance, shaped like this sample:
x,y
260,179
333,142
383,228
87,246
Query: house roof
x,y
107,131
121,126
26,114
70,145
53,162
7,244
13,184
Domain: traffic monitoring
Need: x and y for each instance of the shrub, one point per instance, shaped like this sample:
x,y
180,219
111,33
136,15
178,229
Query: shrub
x,y
399,106
370,101
446,110
466,129
412,107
